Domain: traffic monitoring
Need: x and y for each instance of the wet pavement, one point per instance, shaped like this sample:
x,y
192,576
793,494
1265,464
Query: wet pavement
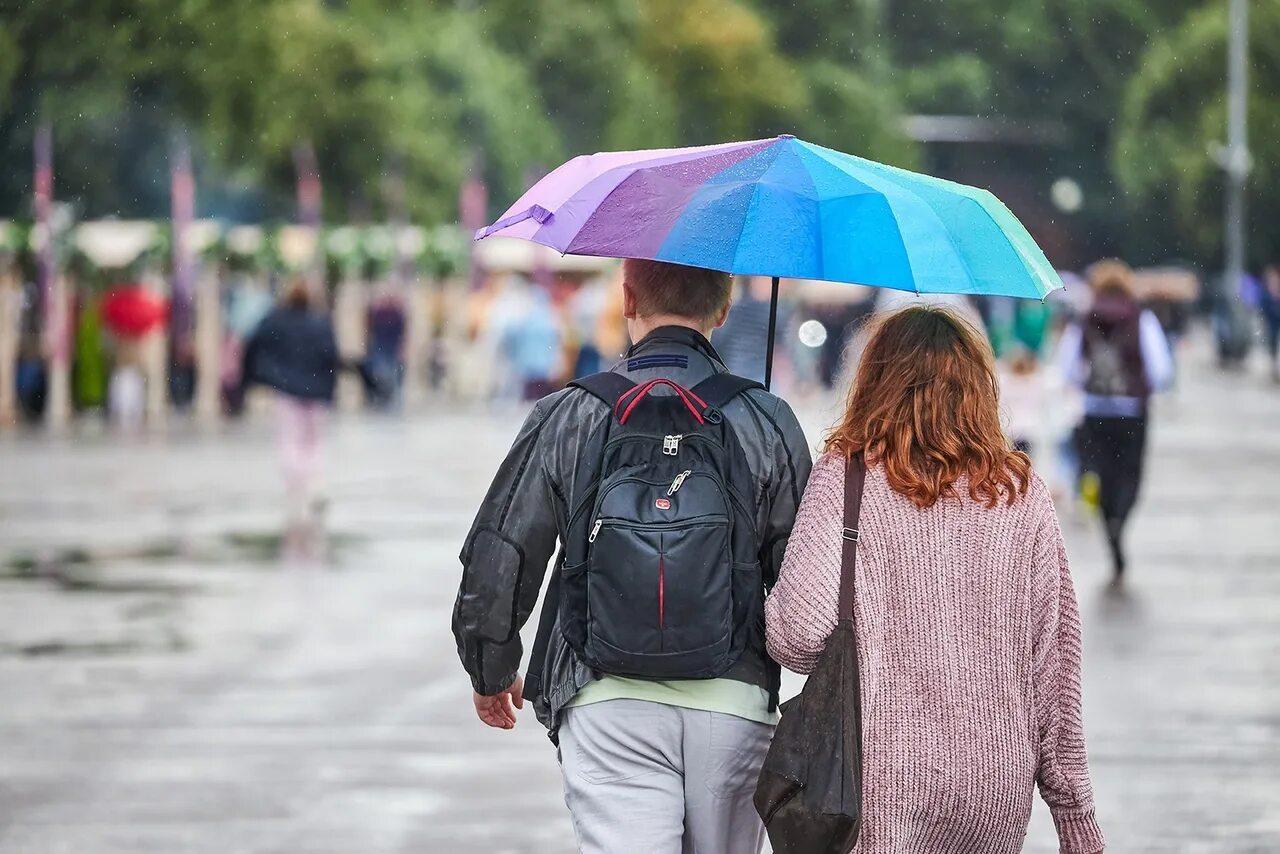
x,y
170,685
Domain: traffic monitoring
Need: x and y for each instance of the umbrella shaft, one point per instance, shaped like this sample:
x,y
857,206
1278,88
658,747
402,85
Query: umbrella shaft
x,y
773,328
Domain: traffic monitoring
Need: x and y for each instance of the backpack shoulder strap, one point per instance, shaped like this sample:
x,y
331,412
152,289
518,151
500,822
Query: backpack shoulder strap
x,y
607,386
719,389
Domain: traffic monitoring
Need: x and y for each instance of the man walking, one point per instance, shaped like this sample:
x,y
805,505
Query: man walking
x,y
672,487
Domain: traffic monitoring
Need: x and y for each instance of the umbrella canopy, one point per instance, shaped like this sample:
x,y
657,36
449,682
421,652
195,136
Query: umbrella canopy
x,y
785,208
132,311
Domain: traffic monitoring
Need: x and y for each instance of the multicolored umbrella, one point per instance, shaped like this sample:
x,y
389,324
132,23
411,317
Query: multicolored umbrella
x,y
783,208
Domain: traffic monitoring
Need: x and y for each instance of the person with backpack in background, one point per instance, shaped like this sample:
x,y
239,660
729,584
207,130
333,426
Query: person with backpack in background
x,y
671,486
1118,355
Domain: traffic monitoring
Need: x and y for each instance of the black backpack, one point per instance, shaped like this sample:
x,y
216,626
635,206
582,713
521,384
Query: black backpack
x,y
661,576
1108,374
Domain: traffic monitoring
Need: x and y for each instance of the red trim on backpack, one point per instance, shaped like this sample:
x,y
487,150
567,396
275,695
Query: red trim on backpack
x,y
662,589
638,393
634,390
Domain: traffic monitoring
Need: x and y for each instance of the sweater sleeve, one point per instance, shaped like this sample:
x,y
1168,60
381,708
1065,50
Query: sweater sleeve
x,y
1063,771
801,611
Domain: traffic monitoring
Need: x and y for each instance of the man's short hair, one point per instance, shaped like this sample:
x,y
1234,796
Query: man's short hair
x,y
691,292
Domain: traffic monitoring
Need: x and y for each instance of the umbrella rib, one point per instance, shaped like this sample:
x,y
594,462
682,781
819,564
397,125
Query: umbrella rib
x,y
755,192
634,169
819,150
946,231
1017,249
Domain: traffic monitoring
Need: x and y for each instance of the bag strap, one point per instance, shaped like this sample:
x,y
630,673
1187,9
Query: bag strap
x,y
719,389
855,477
607,386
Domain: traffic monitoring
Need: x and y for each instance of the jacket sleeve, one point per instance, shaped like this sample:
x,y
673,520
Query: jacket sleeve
x,y
332,355
1069,357
505,557
801,611
249,357
792,464
1063,770
1157,359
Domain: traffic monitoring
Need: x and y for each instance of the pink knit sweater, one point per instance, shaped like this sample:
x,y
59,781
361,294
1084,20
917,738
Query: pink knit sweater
x,y
969,644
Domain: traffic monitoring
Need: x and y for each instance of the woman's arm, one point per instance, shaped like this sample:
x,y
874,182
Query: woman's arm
x,y
1063,772
1068,359
800,612
1157,359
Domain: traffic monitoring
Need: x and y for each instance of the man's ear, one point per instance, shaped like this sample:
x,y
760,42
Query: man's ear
x,y
721,317
628,301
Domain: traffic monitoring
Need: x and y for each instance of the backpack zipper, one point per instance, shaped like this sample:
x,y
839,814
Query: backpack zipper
x,y
678,482
695,522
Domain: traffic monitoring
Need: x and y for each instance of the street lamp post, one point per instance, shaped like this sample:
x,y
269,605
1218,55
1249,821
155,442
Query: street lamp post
x,y
1236,156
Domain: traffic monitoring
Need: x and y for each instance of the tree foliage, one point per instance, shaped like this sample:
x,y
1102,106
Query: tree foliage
x,y
1174,121
418,93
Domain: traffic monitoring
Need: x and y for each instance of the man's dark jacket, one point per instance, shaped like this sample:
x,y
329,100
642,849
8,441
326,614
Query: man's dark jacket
x,y
525,513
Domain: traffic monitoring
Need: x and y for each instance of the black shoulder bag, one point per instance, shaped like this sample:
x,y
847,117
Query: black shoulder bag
x,y
810,789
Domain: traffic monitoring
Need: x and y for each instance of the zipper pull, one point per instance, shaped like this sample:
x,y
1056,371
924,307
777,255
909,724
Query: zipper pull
x,y
595,531
671,445
678,482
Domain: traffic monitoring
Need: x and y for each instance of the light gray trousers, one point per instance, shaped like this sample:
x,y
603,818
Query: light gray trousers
x,y
655,779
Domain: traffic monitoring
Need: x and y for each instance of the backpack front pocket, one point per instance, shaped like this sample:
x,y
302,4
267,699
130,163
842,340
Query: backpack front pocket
x,y
660,598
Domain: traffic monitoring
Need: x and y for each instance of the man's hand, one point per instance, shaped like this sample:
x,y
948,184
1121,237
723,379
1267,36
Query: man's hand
x,y
499,710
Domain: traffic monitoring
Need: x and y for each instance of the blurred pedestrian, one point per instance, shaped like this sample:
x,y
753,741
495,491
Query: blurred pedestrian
x,y
1118,355
612,336
1270,304
294,352
964,609
1023,398
1031,320
246,302
743,340
649,663
384,357
841,320
534,346
498,311
586,305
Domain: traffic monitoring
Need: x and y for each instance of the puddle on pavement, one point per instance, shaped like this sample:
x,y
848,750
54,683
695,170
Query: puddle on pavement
x,y
149,623
170,643
80,570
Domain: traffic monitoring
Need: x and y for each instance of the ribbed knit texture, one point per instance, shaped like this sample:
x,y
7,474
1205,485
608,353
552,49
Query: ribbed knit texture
x,y
969,644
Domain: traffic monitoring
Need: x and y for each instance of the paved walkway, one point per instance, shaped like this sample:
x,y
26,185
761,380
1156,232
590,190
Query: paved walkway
x,y
175,689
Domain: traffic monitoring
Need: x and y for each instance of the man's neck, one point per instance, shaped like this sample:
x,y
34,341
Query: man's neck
x,y
640,327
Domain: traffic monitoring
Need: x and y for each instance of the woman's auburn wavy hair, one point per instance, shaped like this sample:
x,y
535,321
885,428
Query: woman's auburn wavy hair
x,y
924,406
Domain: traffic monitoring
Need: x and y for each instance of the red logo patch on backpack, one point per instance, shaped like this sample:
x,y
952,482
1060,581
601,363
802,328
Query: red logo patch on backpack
x,y
662,503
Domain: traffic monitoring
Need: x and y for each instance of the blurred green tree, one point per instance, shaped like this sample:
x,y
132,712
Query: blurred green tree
x,y
369,86
422,92
1174,118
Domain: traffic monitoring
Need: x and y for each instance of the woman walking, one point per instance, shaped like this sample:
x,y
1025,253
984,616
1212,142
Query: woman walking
x,y
967,625
294,351
1119,356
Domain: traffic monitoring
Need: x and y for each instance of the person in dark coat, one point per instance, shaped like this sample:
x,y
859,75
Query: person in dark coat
x,y
384,361
294,352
